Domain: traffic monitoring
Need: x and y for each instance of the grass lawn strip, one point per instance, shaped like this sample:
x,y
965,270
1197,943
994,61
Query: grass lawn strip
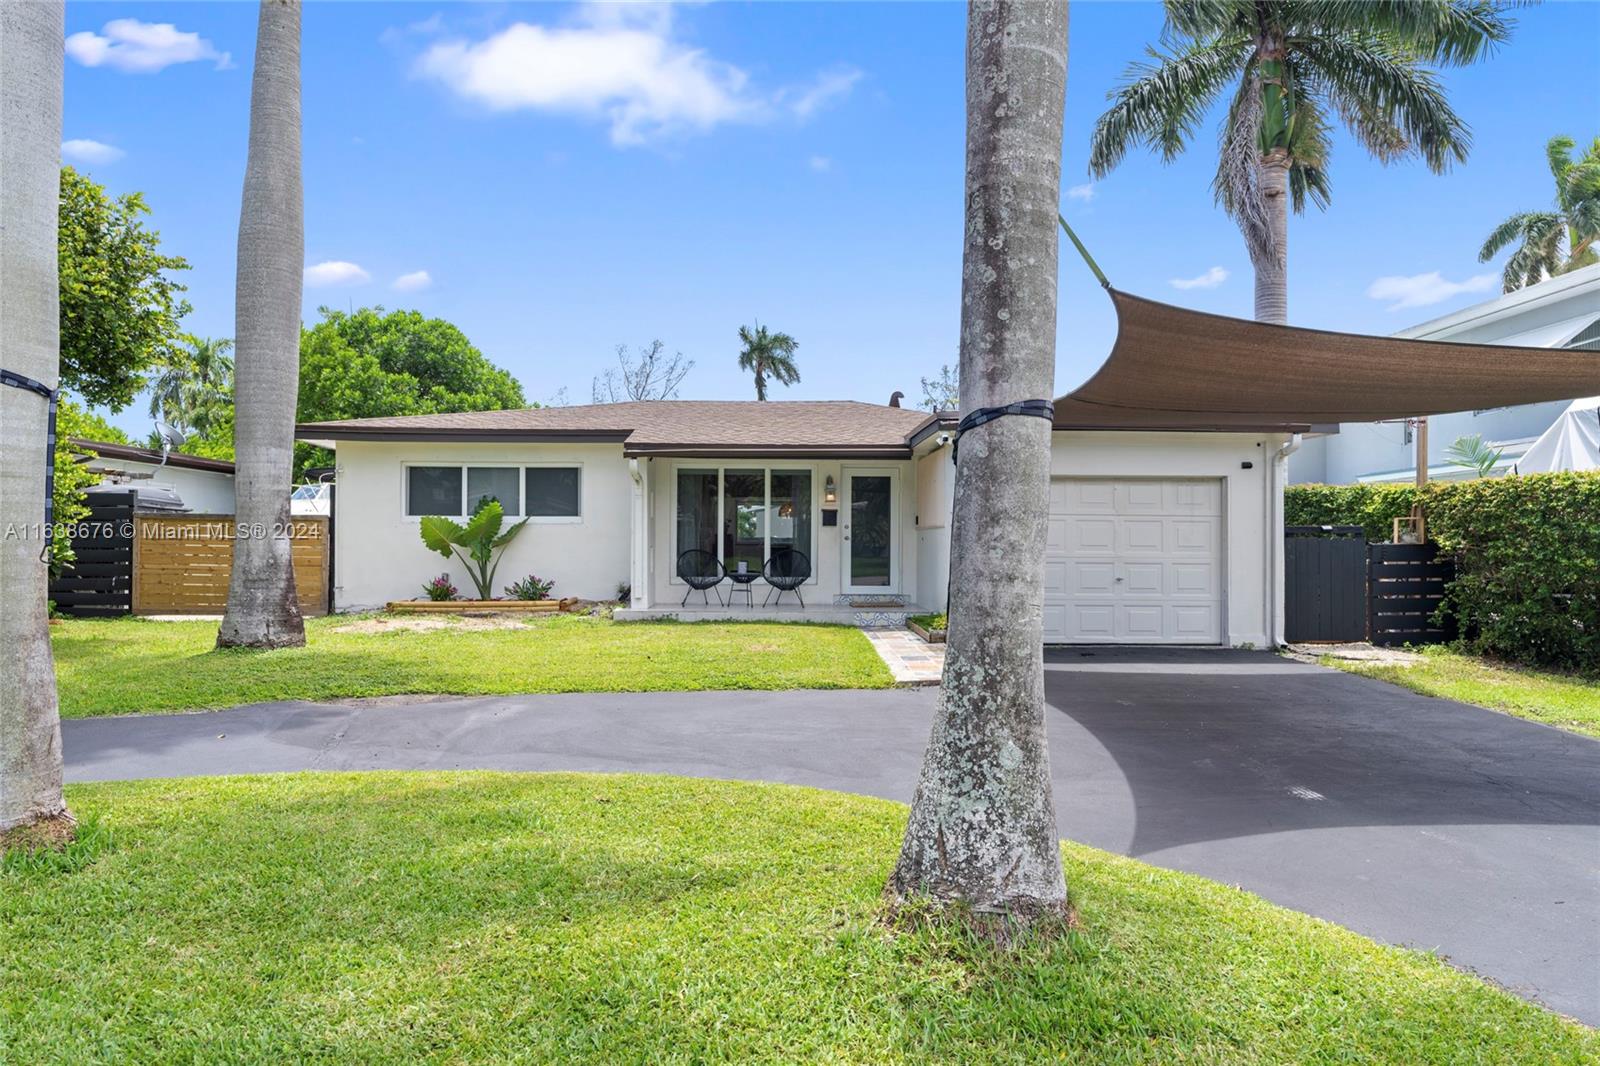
x,y
1562,700
132,666
473,917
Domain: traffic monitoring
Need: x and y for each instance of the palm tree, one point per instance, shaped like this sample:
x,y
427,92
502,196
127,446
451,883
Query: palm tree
x,y
1290,68
982,832
188,391
262,611
767,354
32,807
1554,242
1474,454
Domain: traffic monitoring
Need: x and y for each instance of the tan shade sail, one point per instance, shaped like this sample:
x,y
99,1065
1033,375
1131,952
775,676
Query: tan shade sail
x,y
1173,368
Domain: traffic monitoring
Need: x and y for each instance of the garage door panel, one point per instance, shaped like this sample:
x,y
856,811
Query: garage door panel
x,y
1134,560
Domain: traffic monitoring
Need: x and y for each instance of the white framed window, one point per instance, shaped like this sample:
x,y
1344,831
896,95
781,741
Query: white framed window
x,y
743,512
545,492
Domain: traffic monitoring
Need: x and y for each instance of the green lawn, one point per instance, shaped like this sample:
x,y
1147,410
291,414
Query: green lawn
x,y
628,919
1554,699
132,665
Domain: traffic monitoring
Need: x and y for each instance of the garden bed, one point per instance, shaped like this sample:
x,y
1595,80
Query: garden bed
x,y
479,606
930,627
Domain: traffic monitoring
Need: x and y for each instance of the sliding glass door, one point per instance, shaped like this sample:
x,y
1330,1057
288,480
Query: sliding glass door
x,y
744,515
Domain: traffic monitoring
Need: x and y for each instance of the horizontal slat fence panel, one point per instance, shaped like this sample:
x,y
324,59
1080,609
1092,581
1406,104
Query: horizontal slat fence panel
x,y
99,583
1406,585
182,563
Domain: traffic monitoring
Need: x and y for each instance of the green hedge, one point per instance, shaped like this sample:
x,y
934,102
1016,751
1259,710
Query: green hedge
x,y
1527,550
1373,507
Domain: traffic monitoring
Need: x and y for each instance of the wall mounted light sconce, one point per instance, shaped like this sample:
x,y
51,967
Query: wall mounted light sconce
x,y
829,491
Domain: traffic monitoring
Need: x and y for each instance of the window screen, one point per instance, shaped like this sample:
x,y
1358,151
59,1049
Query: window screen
x,y
555,491
433,490
497,481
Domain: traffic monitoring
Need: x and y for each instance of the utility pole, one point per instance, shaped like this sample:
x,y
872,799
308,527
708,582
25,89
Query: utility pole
x,y
1422,452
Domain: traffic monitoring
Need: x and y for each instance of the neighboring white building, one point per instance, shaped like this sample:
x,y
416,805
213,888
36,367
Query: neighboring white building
x,y
1154,537
204,485
1562,312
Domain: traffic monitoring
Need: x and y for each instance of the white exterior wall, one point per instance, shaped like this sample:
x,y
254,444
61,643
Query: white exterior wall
x,y
202,491
936,483
827,561
379,554
1252,502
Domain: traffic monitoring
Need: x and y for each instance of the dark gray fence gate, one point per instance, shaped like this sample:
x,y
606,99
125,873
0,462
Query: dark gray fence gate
x,y
100,582
1406,586
1325,583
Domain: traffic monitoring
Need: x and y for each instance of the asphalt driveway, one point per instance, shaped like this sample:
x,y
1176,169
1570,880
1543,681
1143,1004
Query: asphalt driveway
x,y
1412,820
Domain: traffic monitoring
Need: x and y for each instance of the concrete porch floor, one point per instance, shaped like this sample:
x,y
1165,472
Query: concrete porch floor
x,y
873,615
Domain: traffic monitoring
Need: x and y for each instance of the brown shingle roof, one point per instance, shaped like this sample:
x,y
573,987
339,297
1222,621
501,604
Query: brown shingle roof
x,y
676,427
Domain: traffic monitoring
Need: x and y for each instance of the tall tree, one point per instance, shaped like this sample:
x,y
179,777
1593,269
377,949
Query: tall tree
x,y
1291,67
120,306
372,364
193,388
652,375
982,830
942,393
32,805
1554,242
262,611
768,355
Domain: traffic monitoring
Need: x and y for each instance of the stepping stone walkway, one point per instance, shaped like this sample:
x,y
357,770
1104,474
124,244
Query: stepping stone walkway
x,y
911,660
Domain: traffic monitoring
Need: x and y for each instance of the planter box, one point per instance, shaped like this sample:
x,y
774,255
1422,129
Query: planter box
x,y
932,636
480,606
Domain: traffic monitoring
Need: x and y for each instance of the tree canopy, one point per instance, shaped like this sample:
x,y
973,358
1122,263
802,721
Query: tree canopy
x,y
1558,241
119,305
371,364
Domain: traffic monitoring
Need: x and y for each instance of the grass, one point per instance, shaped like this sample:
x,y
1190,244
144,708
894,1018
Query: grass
x,y
130,666
931,622
627,919
1561,700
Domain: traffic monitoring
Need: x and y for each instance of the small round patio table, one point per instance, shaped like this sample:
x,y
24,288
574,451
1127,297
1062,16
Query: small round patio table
x,y
743,581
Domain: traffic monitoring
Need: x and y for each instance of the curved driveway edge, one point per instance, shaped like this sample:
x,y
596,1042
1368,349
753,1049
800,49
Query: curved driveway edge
x,y
1412,820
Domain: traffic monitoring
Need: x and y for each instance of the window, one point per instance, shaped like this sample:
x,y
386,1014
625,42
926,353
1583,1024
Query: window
x,y
433,490
492,483
744,515
555,491
458,491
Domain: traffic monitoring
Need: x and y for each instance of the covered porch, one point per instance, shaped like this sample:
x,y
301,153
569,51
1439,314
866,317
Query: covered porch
x,y
849,536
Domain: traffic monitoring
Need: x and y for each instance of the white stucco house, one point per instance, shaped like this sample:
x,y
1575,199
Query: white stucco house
x,y
205,486
1561,312
1154,537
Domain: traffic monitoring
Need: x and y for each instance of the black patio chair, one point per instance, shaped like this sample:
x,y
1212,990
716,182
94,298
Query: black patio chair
x,y
786,571
700,570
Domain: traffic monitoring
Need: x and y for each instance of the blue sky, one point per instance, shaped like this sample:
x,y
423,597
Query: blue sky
x,y
560,179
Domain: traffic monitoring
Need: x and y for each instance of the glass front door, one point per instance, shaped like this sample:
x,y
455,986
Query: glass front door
x,y
869,532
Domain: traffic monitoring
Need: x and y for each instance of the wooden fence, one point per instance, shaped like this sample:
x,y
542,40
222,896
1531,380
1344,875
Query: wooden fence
x,y
182,563
1405,586
99,583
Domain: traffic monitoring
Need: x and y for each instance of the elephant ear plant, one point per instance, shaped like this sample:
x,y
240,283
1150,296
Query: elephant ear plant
x,y
477,544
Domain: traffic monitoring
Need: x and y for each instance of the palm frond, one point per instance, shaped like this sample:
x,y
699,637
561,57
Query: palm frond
x,y
1237,185
1381,91
1161,104
1309,146
1447,32
1508,231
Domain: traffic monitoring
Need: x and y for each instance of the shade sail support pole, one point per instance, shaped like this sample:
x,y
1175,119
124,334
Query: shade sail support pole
x,y
1087,258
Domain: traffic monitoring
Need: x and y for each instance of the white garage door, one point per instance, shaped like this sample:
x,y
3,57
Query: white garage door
x,y
1135,561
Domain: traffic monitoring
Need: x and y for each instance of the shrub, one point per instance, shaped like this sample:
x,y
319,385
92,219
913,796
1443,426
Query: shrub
x,y
1373,507
530,588
624,591
477,544
440,589
1527,552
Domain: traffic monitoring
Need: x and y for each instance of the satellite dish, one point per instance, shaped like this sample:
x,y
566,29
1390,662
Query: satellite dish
x,y
171,437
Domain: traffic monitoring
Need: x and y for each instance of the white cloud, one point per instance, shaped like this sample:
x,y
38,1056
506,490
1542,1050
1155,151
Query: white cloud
x,y
622,64
335,272
831,86
1421,290
1209,280
142,47
415,281
820,163
90,152
1084,192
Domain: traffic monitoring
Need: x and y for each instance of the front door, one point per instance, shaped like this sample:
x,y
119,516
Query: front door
x,y
871,542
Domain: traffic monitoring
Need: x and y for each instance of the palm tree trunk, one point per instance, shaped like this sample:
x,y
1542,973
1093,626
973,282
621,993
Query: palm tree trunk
x,y
262,611
1272,262
30,174
982,830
